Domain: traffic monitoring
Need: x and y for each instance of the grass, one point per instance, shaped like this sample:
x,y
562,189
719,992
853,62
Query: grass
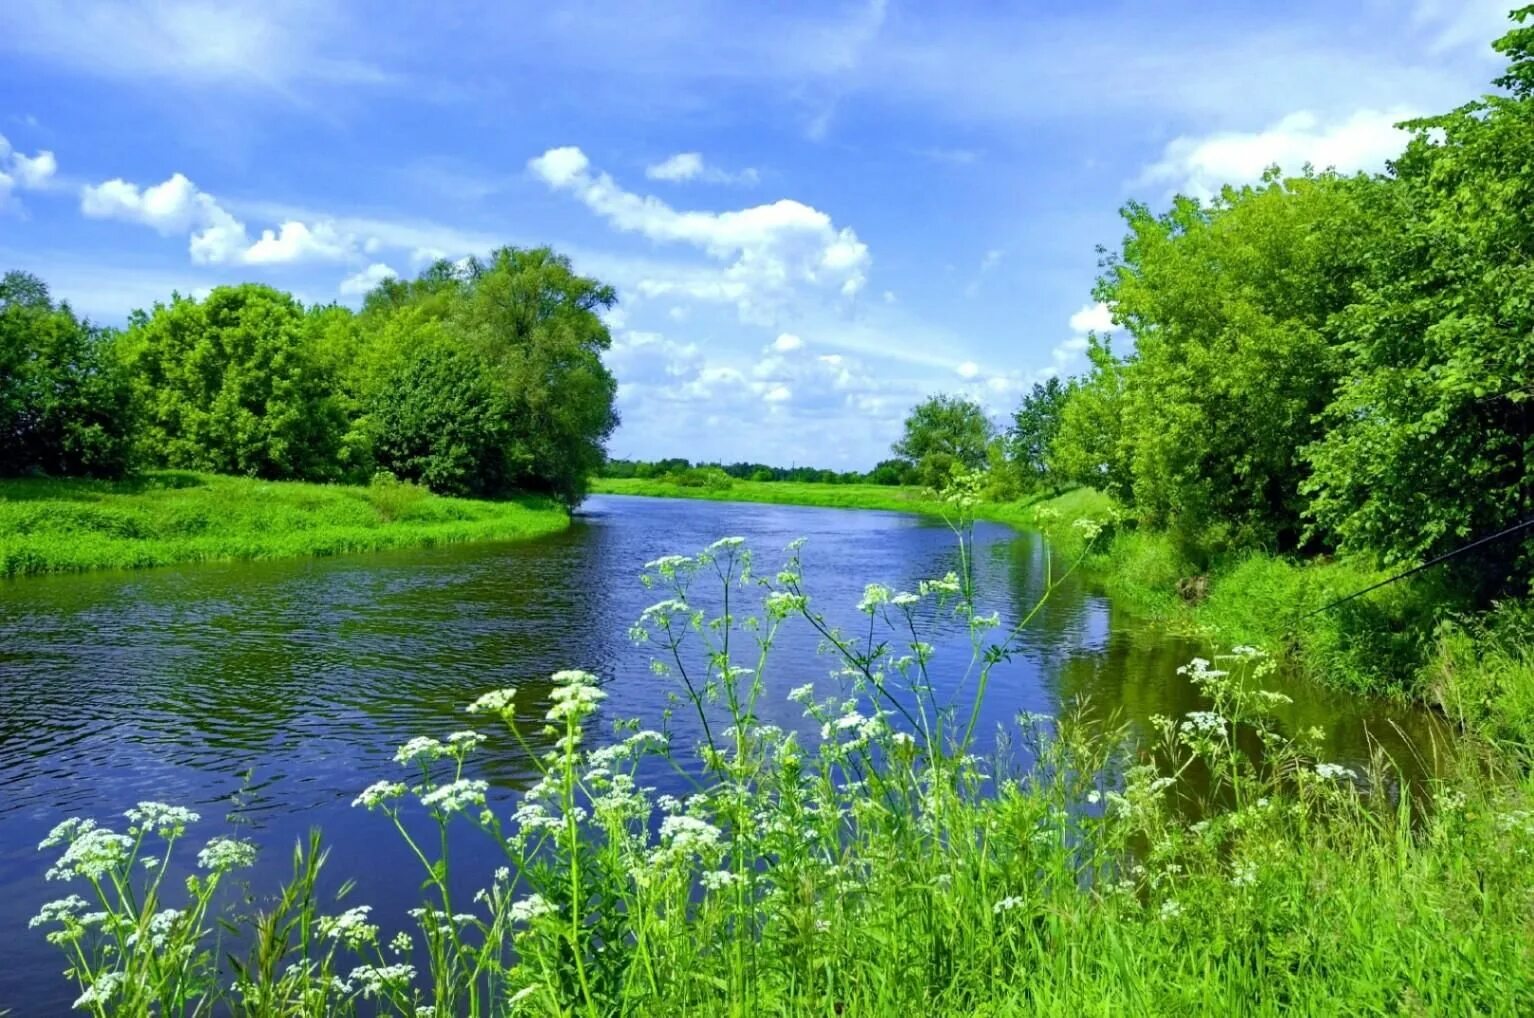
x,y
878,869
159,518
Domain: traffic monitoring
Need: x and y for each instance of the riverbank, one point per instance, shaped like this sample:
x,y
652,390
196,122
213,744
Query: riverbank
x,y
1398,641
166,517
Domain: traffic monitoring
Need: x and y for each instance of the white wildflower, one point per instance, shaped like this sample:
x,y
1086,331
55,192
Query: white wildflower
x,y
456,796
1335,772
421,749
530,908
159,818
497,701
372,979
378,793
221,854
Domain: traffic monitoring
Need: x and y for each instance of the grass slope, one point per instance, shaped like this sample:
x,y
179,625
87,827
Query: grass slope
x,y
52,526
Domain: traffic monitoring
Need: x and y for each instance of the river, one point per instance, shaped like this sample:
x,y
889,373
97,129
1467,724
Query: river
x,y
268,694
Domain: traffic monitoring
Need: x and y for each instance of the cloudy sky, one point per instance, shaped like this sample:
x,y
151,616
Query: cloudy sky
x,y
815,214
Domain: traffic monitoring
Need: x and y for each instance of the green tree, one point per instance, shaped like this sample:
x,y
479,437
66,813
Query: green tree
x,y
234,384
64,405
941,433
1431,440
1230,305
510,348
1089,448
1035,424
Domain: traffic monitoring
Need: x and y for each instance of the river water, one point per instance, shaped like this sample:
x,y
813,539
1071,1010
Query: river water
x,y
266,695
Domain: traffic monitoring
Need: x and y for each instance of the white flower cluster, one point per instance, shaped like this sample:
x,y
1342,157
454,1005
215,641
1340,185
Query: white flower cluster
x,y
372,979
422,749
222,854
379,793
575,695
497,701
949,584
350,927
530,908
92,852
1335,772
455,796
1203,722
781,604
159,818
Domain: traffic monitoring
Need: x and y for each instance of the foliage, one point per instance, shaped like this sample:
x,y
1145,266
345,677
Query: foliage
x,y
1035,423
1229,305
488,377
881,869
1089,447
157,518
63,401
1430,441
233,384
944,434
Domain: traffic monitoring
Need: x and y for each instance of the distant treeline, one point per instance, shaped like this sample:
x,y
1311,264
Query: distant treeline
x,y
689,474
477,378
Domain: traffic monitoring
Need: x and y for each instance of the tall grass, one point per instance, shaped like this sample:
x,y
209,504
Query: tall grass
x,y
50,526
878,868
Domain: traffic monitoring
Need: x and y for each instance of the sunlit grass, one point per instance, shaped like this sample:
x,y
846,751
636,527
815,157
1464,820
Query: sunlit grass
x,y
49,526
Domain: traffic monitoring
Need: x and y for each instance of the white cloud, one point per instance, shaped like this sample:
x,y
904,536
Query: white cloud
x,y
21,172
786,342
359,283
178,206
1200,166
294,241
1093,318
268,44
778,394
770,251
967,369
690,166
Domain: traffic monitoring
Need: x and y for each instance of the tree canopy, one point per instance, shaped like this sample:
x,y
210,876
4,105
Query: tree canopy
x,y
941,433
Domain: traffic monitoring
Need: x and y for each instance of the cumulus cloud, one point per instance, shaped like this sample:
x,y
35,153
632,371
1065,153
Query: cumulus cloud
x,y
360,283
690,166
1096,317
1200,166
787,341
769,251
21,172
216,237
968,369
1089,318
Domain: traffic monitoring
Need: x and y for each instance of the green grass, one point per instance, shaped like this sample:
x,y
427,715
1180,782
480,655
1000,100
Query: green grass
x,y
159,518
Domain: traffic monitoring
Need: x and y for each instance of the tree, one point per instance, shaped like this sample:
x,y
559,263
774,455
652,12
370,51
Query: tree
x,y
941,433
1089,446
514,342
234,384
1035,424
64,404
1430,440
1231,307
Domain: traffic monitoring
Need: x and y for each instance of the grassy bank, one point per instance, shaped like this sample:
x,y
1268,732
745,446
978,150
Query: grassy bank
x,y
159,518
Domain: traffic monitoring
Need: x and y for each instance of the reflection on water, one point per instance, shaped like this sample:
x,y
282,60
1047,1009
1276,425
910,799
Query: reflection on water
x,y
285,686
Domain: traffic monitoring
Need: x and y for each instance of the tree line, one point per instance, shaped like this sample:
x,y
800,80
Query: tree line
x,y
1315,362
477,378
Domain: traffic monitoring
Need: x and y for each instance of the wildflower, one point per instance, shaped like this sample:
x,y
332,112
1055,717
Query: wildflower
x,y
1170,909
166,821
497,701
716,880
802,694
456,796
781,604
530,908
1243,874
223,854
1203,722
1094,797
949,584
92,853
66,831
726,544
1089,529
350,927
1006,904
160,926
101,991
421,749
378,793
874,595
661,612
905,599
373,978
685,834
1335,772
61,910
466,741
401,942
575,695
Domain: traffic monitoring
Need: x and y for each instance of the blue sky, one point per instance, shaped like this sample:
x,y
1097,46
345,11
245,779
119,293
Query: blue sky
x,y
814,214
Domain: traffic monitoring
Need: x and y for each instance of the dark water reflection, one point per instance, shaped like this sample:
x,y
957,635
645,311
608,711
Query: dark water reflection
x,y
271,693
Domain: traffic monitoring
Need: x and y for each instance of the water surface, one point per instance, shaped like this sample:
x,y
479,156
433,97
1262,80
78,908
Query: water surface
x,y
271,693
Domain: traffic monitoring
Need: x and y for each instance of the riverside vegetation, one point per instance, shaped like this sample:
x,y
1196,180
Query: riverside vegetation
x,y
879,866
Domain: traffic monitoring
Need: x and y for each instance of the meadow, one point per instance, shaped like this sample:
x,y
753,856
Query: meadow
x,y
164,517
